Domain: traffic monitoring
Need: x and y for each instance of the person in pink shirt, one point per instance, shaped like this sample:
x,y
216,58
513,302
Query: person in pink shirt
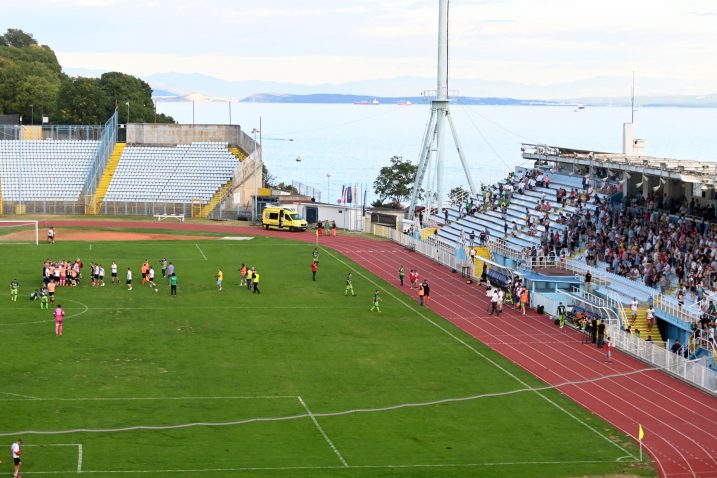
x,y
59,316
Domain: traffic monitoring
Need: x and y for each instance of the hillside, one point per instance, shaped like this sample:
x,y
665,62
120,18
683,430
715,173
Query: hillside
x,y
33,85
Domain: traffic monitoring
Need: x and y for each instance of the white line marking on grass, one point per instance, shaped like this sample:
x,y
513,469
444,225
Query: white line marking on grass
x,y
331,414
480,354
323,433
51,319
78,313
299,468
22,397
79,455
98,399
201,251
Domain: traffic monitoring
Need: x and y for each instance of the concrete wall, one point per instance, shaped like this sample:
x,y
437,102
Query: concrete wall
x,y
173,134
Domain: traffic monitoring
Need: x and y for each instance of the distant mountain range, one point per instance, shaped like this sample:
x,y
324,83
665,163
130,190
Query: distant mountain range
x,y
596,91
383,100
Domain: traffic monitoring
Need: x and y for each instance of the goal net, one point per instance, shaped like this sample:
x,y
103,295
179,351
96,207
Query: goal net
x,y
19,232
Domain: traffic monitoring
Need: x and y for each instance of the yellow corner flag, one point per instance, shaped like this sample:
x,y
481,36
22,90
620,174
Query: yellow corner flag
x,y
640,433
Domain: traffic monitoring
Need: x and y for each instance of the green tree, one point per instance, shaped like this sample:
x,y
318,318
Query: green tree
x,y
83,101
268,179
18,38
31,80
394,183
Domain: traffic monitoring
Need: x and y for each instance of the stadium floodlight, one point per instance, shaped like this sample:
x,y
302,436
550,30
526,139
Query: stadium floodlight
x,y
19,232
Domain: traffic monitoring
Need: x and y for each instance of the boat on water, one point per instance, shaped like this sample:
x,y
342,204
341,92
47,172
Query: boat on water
x,y
579,107
374,102
404,103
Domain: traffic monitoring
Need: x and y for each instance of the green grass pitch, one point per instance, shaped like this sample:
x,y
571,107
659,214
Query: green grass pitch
x,y
143,358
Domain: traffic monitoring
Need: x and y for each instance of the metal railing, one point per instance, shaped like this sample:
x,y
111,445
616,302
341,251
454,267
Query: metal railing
x,y
99,162
610,314
51,132
306,190
691,371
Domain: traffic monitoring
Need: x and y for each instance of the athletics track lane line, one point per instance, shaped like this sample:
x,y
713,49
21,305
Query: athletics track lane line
x,y
384,266
345,244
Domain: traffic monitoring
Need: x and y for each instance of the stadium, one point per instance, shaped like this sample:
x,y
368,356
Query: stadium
x,y
304,379
557,323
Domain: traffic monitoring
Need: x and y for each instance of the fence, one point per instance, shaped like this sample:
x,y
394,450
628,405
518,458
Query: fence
x,y
431,249
690,371
107,144
51,132
306,190
44,207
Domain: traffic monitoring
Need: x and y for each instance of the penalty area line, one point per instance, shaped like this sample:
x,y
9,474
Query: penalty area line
x,y
323,433
337,467
201,251
390,292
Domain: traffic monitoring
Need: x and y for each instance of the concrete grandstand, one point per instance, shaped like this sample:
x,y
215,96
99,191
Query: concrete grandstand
x,y
161,169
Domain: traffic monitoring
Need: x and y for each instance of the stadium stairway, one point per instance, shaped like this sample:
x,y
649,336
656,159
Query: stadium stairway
x,y
237,152
104,184
218,197
641,323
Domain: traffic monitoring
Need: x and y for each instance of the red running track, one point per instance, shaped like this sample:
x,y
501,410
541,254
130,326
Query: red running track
x,y
680,421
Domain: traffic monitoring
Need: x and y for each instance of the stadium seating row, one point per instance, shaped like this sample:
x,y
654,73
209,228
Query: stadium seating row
x,y
178,174
45,170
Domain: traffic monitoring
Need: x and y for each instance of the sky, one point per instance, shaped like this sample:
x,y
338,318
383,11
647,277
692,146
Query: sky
x,y
336,41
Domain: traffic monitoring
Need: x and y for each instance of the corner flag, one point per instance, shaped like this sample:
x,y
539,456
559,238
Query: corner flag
x,y
640,433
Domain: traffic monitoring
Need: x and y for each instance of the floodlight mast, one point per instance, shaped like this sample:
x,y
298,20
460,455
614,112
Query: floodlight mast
x,y
434,138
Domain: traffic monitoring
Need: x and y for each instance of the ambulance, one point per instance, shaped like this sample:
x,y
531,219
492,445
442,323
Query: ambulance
x,y
283,217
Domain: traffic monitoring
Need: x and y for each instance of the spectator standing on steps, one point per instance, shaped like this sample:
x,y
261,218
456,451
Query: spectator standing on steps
x,y
588,282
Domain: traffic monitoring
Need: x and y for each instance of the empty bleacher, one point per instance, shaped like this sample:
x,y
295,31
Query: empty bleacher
x,y
179,174
50,170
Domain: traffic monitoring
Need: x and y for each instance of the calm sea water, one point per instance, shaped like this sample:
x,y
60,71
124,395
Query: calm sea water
x,y
352,142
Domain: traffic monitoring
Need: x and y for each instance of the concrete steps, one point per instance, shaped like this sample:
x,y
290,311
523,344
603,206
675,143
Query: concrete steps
x,y
96,204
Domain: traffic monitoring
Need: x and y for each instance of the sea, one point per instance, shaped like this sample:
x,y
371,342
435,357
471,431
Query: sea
x,y
328,146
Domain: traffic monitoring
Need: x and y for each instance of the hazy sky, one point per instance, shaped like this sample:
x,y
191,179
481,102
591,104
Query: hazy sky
x,y
322,41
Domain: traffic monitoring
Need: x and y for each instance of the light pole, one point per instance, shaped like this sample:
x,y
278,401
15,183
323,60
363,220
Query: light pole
x,y
230,112
192,112
328,188
127,103
32,115
255,212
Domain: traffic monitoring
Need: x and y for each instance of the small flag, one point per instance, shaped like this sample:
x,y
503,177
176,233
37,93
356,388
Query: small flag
x,y
317,233
640,433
